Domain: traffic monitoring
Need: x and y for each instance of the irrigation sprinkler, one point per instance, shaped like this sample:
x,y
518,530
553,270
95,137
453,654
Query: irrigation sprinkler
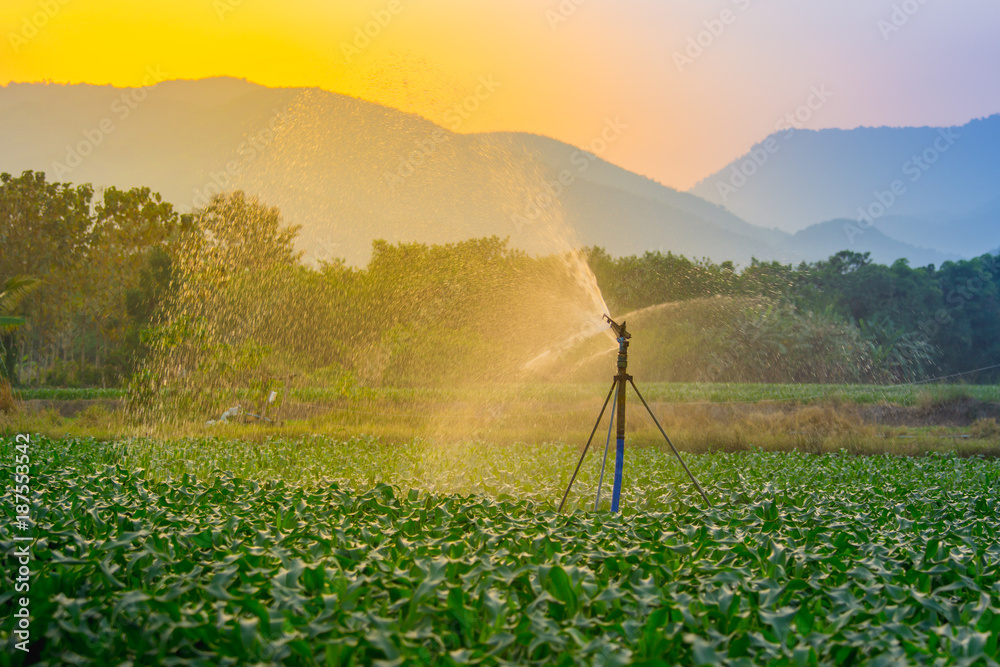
x,y
618,384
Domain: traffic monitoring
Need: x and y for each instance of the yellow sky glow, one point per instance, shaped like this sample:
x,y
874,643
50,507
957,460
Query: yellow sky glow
x,y
560,74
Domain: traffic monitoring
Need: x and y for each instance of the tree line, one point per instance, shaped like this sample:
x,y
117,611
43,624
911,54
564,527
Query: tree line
x,y
220,295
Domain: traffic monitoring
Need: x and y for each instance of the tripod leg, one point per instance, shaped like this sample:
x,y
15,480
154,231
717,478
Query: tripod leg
x,y
607,445
580,463
676,453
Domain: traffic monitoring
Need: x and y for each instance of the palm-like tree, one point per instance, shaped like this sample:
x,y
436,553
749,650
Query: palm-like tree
x,y
12,292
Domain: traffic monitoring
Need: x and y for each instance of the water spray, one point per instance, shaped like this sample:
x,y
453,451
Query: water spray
x,y
618,385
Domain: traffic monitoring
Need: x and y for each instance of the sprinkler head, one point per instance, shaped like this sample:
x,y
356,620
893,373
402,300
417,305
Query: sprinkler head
x,y
619,329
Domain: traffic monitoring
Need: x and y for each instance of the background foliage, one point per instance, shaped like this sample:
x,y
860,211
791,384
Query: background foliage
x,y
219,298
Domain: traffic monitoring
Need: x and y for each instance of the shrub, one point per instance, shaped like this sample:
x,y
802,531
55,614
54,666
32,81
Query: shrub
x,y
985,428
7,401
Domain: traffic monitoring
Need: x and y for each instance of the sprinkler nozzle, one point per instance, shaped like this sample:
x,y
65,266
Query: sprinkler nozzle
x,y
619,329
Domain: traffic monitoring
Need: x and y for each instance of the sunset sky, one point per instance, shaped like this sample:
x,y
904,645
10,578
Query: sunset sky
x,y
561,68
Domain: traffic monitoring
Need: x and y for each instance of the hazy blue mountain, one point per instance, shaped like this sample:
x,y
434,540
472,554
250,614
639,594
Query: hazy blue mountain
x,y
349,171
967,236
813,243
947,182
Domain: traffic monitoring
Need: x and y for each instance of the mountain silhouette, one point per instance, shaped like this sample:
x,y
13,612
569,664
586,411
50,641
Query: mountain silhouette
x,y
925,186
349,171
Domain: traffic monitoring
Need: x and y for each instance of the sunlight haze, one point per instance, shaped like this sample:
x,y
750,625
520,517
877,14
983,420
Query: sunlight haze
x,y
562,67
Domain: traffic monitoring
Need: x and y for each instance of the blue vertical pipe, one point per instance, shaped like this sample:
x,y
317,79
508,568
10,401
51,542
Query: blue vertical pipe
x,y
619,465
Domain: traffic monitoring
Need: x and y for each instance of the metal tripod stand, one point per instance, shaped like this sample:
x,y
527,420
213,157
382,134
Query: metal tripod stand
x,y
619,406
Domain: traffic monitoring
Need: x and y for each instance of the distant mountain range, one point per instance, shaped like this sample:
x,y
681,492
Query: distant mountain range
x,y
946,182
349,171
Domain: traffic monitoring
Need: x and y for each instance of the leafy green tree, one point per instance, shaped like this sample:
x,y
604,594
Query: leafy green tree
x,y
143,309
125,226
769,279
965,329
43,231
